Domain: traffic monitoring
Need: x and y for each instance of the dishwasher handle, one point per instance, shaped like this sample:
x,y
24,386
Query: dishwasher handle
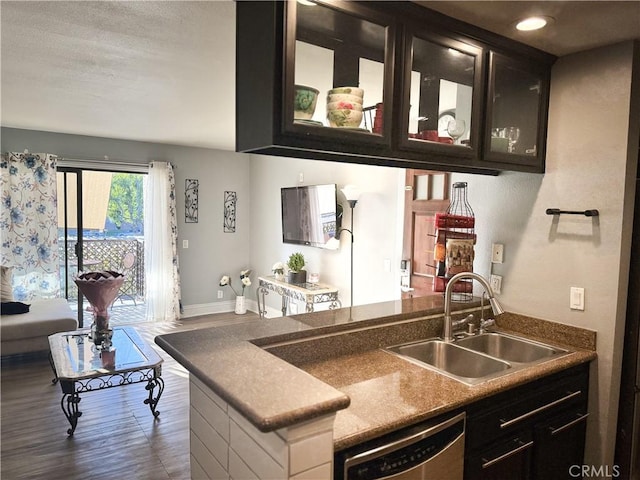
x,y
403,442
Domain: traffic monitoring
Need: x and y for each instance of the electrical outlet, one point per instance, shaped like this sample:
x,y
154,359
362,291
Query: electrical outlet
x,y
496,283
497,252
220,294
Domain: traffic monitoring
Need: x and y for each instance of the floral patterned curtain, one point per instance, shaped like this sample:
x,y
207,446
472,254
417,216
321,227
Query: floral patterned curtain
x,y
161,248
29,225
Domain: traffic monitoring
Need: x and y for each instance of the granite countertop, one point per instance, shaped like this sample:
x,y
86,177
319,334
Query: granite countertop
x,y
287,370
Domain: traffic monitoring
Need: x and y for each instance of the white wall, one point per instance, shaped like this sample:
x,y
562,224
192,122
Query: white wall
x,y
587,168
377,225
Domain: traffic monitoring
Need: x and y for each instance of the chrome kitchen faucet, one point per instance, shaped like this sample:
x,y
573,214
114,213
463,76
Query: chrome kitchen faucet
x,y
495,305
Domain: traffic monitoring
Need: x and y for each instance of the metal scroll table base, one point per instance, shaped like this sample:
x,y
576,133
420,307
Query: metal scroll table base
x,y
71,390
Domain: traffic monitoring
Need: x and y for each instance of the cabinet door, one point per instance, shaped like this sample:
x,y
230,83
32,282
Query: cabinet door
x,y
338,72
441,95
559,446
517,109
509,460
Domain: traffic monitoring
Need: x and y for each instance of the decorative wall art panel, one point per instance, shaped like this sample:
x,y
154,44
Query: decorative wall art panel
x,y
230,199
191,200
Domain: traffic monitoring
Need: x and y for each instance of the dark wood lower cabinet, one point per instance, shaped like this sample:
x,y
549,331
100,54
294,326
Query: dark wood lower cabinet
x,y
559,446
536,431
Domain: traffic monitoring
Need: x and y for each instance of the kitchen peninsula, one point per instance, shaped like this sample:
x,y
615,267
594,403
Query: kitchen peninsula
x,y
276,399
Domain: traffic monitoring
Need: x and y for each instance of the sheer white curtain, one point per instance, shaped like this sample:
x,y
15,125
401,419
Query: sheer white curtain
x,y
160,246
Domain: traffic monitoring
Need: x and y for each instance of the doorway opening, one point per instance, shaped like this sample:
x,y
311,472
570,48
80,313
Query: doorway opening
x,y
101,227
426,193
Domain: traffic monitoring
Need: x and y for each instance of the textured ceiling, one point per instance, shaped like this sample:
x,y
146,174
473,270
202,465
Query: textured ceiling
x,y
151,71
578,25
164,71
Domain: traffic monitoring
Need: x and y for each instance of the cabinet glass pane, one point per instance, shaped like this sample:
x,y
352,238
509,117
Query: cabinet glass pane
x,y
339,65
441,93
516,103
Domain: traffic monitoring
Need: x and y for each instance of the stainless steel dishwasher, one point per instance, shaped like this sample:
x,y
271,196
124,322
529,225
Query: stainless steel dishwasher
x,y
428,451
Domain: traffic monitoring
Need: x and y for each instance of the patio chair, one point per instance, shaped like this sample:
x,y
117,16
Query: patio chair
x,y
129,285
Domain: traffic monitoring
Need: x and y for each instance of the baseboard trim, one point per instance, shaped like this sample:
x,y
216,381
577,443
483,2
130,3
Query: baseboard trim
x,y
216,307
225,307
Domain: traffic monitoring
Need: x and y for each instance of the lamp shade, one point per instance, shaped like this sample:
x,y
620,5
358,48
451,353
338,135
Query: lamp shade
x,y
351,192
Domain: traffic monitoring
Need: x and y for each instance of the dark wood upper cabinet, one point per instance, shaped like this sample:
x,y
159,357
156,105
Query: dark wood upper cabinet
x,y
442,95
516,112
414,71
339,44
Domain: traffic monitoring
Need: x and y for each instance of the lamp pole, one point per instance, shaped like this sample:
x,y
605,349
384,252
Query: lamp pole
x,y
352,203
351,194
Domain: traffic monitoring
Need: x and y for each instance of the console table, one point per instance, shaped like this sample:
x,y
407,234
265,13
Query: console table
x,y
309,293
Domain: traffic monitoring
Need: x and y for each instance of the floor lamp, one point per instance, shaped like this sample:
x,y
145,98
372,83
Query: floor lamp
x,y
352,194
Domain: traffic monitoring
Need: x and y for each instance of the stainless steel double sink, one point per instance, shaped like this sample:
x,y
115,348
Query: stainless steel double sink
x,y
479,358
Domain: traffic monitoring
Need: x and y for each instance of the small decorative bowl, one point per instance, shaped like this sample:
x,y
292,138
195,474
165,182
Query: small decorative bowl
x,y
304,104
349,90
344,97
344,118
344,105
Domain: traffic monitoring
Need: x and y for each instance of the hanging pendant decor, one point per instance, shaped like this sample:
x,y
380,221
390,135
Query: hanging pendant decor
x,y
191,200
230,199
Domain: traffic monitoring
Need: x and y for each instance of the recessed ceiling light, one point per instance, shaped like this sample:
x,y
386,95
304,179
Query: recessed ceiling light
x,y
533,23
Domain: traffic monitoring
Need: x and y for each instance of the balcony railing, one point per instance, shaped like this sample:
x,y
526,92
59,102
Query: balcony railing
x,y
108,254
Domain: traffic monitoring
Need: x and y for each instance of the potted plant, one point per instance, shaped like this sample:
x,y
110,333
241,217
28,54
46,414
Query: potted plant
x,y
295,264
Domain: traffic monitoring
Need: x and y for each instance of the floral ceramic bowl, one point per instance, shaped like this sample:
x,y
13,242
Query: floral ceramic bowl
x,y
344,97
344,105
348,90
344,118
304,104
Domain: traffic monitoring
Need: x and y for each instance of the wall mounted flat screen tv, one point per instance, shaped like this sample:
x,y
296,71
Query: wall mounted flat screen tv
x,y
309,214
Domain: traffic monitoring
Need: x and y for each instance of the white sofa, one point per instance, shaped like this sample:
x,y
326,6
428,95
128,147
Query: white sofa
x,y
29,332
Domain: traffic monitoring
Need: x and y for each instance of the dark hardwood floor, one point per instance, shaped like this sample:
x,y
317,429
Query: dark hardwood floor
x,y
116,437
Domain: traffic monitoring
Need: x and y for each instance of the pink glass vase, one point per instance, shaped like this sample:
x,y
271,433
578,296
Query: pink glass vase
x,y
100,289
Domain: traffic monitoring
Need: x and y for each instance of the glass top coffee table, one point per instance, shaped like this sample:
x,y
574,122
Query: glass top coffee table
x,y
80,366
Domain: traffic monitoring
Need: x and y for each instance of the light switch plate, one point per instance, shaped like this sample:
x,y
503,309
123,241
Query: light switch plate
x,y
576,301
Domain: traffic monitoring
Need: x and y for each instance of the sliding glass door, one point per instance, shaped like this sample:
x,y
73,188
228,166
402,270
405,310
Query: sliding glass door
x,y
100,226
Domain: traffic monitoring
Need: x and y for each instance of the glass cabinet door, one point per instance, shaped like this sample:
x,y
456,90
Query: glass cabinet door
x,y
442,94
338,70
516,111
